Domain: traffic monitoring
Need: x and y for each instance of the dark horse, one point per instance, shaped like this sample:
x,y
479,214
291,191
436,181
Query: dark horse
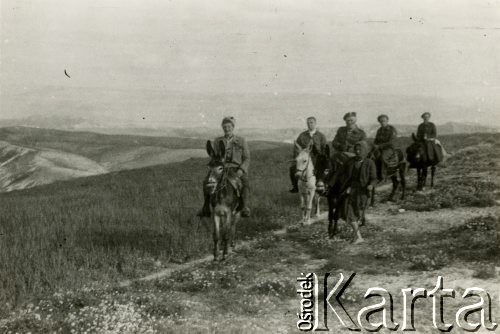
x,y
337,197
416,156
398,168
223,186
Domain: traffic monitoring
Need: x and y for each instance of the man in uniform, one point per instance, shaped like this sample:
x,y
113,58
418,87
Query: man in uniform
x,y
346,138
384,147
309,137
235,157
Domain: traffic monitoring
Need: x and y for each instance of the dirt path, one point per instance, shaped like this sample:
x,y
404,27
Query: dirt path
x,y
254,290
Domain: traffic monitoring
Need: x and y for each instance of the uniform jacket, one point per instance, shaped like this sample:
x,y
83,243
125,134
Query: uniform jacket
x,y
237,152
318,140
345,139
426,131
385,137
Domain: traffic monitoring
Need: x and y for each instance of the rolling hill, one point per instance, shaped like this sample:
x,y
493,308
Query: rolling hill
x,y
23,167
32,156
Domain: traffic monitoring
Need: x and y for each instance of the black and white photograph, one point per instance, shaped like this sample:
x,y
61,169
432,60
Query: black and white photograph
x,y
258,166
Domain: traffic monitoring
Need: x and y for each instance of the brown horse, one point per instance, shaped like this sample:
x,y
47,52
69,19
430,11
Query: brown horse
x,y
225,206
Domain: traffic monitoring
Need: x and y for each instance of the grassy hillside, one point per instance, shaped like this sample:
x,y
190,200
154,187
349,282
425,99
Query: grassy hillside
x,y
109,226
125,224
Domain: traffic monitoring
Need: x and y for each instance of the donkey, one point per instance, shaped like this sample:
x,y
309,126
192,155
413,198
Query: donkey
x,y
415,154
399,168
307,184
223,186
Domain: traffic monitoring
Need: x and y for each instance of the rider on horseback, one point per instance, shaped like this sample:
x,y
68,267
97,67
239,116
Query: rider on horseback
x,y
427,133
345,140
236,158
383,147
318,141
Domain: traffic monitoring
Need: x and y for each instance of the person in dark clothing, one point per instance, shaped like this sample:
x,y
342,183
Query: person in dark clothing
x,y
353,183
347,136
384,147
309,137
427,134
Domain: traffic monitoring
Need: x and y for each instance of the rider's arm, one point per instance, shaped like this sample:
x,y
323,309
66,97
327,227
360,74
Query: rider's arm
x,y
432,134
336,143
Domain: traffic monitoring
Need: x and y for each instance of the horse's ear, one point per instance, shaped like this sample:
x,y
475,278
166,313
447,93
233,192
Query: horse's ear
x,y
327,151
297,146
413,136
222,148
210,149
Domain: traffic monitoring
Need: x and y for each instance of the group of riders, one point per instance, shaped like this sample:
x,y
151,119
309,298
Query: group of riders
x,y
350,152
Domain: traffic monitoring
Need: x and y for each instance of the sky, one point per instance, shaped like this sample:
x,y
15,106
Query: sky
x,y
190,62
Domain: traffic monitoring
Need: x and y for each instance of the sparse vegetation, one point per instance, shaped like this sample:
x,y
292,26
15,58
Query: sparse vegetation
x,y
65,245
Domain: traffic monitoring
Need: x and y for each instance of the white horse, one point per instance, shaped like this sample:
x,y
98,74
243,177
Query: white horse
x,y
307,184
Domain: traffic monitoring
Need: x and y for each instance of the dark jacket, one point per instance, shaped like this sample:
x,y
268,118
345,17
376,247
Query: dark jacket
x,y
318,140
426,131
345,139
385,137
237,152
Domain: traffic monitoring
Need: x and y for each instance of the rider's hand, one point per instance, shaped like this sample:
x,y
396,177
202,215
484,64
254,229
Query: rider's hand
x,y
348,191
240,173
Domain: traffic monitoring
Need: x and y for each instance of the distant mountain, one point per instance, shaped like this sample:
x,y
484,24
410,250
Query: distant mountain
x,y
31,156
106,125
22,167
289,134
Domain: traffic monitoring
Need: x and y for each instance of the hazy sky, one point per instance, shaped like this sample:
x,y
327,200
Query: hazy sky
x,y
131,57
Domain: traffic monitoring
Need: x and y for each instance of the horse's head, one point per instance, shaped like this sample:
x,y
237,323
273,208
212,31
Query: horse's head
x,y
303,161
215,173
416,151
215,166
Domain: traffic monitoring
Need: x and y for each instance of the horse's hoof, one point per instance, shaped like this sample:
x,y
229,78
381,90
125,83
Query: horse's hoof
x,y
358,241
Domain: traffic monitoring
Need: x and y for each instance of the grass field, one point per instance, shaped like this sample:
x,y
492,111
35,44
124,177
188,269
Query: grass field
x,y
114,226
75,235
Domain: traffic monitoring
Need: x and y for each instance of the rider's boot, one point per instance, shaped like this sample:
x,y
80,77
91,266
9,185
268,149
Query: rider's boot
x,y
245,211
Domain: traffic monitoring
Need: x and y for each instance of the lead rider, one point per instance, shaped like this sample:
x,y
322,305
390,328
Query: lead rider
x,y
236,158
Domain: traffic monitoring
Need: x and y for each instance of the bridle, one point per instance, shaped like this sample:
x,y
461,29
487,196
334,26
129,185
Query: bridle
x,y
303,176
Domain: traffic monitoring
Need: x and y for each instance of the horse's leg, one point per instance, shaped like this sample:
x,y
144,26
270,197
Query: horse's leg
x,y
302,205
225,236
394,180
419,178
233,229
216,220
424,177
433,171
356,233
309,203
402,176
317,198
330,215
372,199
